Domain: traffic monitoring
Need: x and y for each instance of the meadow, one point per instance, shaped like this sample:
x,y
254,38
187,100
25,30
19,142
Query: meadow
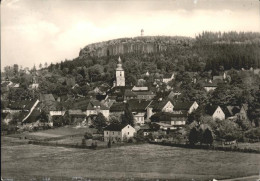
x,y
137,162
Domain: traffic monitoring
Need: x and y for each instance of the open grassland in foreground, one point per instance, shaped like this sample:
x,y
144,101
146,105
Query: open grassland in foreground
x,y
26,162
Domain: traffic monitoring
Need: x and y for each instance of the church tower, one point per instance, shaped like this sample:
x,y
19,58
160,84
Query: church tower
x,y
120,74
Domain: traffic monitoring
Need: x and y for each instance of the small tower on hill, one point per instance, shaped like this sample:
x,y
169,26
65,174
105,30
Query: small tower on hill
x,y
142,32
120,74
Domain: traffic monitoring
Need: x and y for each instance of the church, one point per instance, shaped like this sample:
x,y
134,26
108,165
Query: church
x,y
120,74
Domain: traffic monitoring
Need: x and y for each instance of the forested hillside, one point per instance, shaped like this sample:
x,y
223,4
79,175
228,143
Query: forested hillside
x,y
208,51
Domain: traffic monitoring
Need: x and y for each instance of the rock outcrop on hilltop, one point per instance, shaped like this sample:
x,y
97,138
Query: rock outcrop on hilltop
x,y
147,44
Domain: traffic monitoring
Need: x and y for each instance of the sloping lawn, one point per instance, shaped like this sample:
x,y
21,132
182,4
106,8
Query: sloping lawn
x,y
55,133
136,161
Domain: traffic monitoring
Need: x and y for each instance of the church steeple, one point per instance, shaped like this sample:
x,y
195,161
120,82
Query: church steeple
x,y
120,74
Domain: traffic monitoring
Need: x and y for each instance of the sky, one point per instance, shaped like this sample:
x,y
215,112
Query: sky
x,y
39,31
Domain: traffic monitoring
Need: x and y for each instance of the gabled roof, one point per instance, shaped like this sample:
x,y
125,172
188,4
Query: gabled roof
x,y
21,105
210,110
168,76
47,97
138,105
118,107
34,116
129,93
144,93
182,105
114,127
159,105
93,105
232,110
6,115
100,97
213,84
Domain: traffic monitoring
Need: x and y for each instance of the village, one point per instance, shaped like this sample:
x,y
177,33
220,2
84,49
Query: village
x,y
123,113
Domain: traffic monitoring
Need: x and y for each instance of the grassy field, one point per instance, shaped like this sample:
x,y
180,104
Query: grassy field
x,y
25,162
56,133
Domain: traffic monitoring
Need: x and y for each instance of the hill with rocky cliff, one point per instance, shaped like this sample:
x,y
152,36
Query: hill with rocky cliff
x,y
146,44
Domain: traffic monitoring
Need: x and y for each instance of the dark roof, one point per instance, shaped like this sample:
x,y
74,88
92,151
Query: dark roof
x,y
34,116
47,97
21,105
182,105
231,110
100,97
4,84
93,104
138,105
211,109
129,93
5,115
158,105
144,93
114,127
118,107
208,84
167,76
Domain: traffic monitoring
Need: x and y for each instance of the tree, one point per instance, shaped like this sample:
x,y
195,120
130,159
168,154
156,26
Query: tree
x,y
83,143
40,66
207,137
46,65
193,136
109,144
100,122
128,117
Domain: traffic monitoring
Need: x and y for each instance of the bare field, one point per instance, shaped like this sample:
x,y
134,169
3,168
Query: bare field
x,y
140,162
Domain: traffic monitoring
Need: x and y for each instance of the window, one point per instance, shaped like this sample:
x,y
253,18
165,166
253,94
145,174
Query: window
x,y
107,132
128,133
113,133
127,126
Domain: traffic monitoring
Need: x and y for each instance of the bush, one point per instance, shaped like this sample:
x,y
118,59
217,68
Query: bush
x,y
88,135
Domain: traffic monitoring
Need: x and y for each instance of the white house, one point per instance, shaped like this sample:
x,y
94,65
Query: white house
x,y
217,113
118,132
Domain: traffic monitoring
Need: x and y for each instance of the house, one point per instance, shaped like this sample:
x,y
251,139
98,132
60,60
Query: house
x,y
146,95
170,121
6,117
34,86
35,119
167,78
174,95
129,95
216,112
236,112
189,107
139,109
118,132
118,108
165,105
21,106
76,116
95,107
210,86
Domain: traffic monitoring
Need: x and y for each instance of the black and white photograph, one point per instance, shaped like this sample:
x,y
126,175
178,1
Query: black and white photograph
x,y
130,90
